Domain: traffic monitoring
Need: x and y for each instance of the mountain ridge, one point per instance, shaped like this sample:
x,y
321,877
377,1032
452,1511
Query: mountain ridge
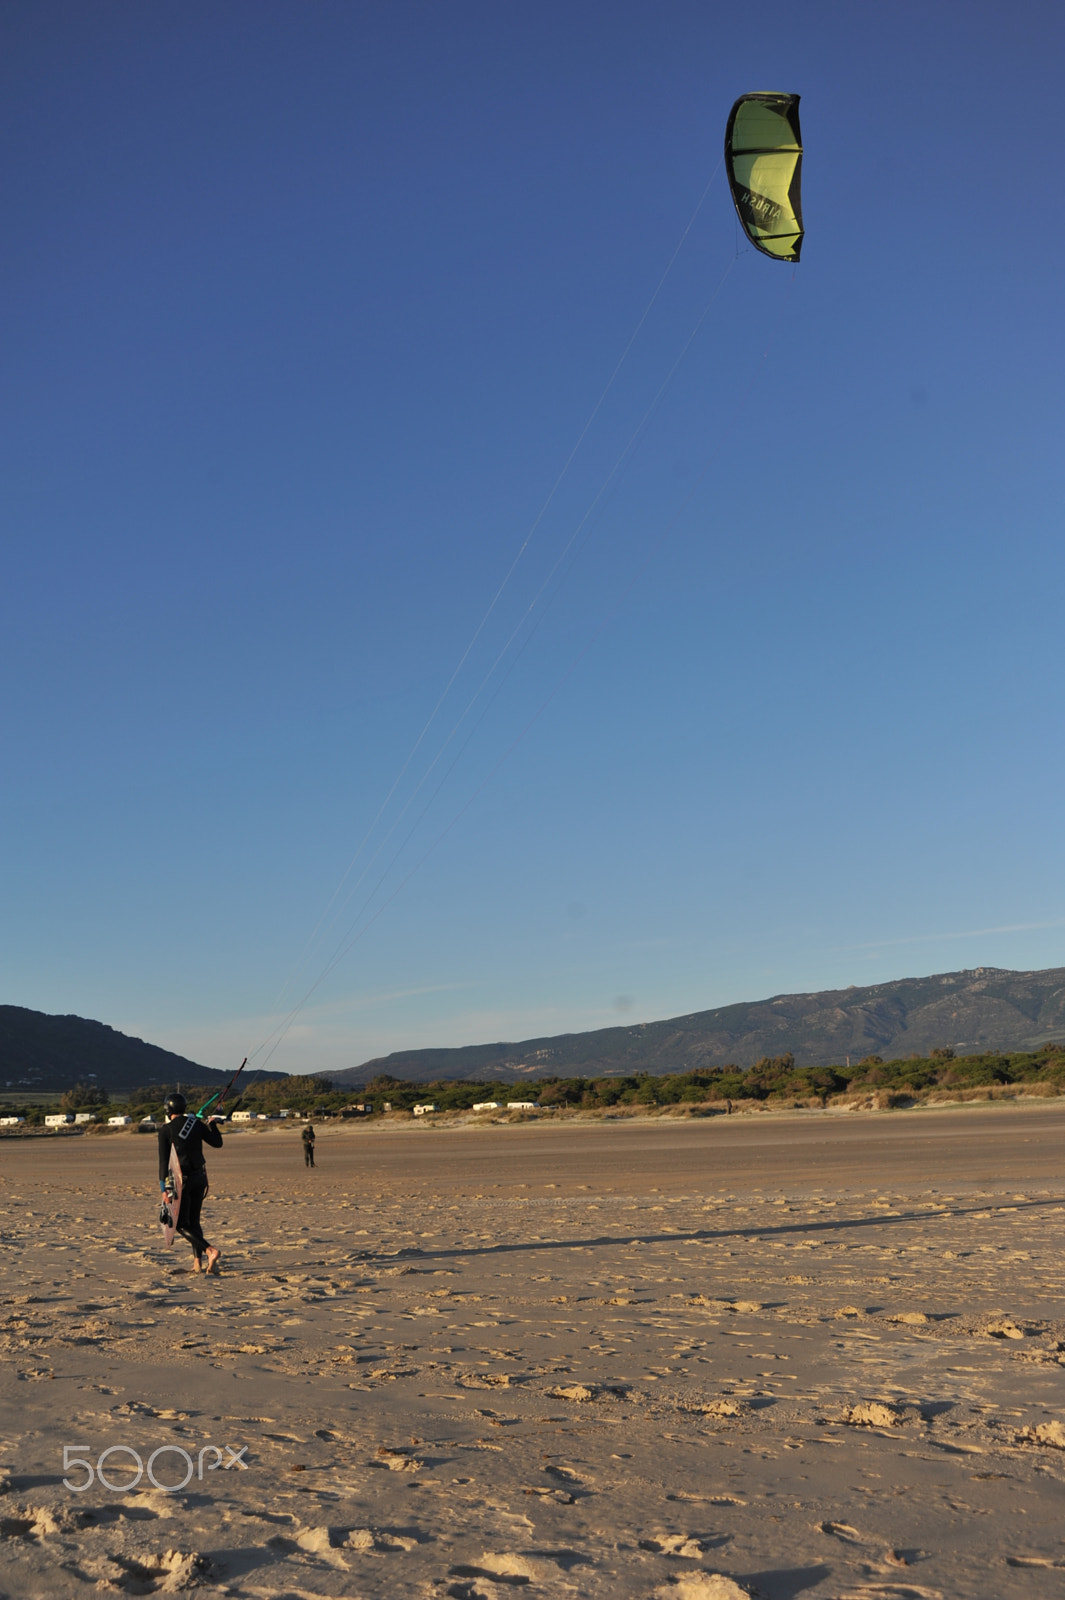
x,y
49,1053
976,1009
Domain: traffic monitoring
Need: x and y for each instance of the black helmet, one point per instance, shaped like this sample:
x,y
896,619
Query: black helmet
x,y
175,1104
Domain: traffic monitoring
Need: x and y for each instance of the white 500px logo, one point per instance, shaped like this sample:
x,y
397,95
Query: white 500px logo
x,y
191,1467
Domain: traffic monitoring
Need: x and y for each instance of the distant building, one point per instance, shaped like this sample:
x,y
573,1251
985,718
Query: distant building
x,y
60,1120
520,1105
243,1116
420,1111
487,1105
84,1116
11,1122
119,1122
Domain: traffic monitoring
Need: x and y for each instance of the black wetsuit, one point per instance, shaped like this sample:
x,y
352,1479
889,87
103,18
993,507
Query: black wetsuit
x,y
308,1146
188,1135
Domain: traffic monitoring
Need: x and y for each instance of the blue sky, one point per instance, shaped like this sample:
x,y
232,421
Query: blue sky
x,y
304,311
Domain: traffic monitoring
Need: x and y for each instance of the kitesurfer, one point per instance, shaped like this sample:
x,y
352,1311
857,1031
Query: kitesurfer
x,y
308,1146
187,1134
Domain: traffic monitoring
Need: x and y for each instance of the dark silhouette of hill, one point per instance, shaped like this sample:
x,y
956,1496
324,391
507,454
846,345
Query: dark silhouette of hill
x,y
51,1054
985,1008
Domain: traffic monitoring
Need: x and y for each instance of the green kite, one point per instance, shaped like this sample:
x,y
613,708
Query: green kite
x,y
763,158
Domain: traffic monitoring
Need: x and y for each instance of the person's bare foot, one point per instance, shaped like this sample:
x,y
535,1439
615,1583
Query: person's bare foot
x,y
213,1258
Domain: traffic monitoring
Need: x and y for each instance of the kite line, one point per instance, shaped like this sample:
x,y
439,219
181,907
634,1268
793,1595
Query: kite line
x,y
355,932
326,920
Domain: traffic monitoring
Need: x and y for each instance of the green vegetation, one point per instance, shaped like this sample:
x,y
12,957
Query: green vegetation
x,y
34,1108
776,1079
773,1080
84,1097
316,1096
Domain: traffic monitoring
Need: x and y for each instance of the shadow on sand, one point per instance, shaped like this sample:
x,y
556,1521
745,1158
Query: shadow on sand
x,y
702,1235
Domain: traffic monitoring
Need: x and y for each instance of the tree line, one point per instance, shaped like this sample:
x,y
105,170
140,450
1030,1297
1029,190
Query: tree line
x,y
774,1080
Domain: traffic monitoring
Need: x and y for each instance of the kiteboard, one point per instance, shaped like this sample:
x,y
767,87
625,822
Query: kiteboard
x,y
170,1200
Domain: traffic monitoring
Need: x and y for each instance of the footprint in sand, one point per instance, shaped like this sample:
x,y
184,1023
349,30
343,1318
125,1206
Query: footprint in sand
x,y
146,1574
396,1460
323,1543
871,1414
1004,1328
574,1391
708,1499
685,1545
509,1568
374,1541
721,1408
702,1586
1048,1434
841,1530
890,1591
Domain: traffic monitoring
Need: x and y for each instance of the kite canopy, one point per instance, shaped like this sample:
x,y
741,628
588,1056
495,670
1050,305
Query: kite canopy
x,y
763,158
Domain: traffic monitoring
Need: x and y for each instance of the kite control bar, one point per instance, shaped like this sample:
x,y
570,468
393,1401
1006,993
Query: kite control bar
x,y
221,1093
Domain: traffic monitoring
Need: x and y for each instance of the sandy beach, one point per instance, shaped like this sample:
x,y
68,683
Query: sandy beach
x,y
784,1355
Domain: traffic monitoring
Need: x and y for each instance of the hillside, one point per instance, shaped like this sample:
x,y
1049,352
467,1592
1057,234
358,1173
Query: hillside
x,y
985,1008
49,1054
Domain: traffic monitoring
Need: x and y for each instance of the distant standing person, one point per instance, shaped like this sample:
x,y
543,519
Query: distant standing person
x,y
308,1146
184,1132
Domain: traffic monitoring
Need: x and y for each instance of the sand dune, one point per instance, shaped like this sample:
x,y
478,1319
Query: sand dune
x,y
781,1357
